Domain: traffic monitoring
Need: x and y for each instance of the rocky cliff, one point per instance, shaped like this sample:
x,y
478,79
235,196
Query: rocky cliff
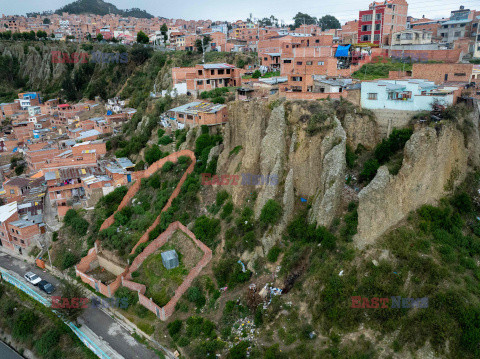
x,y
273,139
435,161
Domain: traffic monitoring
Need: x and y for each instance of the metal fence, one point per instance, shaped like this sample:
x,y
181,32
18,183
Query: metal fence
x,y
20,284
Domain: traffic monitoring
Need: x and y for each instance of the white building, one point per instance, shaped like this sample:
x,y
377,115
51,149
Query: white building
x,y
405,95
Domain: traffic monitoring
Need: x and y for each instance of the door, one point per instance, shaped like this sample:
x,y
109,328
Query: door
x,y
446,77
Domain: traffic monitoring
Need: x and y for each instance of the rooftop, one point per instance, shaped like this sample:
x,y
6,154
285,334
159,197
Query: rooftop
x,y
7,211
218,66
196,107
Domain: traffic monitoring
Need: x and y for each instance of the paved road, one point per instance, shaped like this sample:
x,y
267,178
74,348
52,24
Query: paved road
x,y
8,353
99,322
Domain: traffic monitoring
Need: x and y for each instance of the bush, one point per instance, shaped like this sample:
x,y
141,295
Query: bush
x,y
128,296
47,341
221,197
462,202
68,260
395,142
350,157
195,295
167,166
165,140
227,210
257,74
174,327
24,323
271,212
273,254
152,154
206,230
369,170
55,236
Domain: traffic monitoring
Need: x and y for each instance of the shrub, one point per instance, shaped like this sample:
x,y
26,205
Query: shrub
x,y
369,170
271,212
462,202
165,140
227,210
273,254
47,341
206,230
68,260
257,74
221,197
24,323
395,142
160,132
55,236
167,166
174,327
152,154
350,157
128,296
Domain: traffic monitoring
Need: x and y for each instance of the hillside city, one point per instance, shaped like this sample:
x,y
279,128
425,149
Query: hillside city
x,y
176,188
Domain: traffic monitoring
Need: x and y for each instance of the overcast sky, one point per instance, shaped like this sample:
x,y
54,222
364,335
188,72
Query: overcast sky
x,y
230,10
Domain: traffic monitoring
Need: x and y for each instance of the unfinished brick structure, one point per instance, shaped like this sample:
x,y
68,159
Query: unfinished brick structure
x,y
94,257
164,312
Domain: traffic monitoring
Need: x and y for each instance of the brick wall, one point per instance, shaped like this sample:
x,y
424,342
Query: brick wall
x,y
165,312
450,56
86,262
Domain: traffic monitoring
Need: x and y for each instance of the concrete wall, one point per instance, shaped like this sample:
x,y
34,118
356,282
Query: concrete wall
x,y
110,266
387,120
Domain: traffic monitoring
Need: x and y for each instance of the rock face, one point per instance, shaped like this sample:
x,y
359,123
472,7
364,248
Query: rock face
x,y
271,140
435,161
327,198
361,129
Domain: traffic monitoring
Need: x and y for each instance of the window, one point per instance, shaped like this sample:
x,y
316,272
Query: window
x,y
457,34
221,72
200,82
299,62
377,27
297,78
366,27
309,62
208,82
287,61
22,241
366,37
200,72
189,117
180,115
228,71
376,37
12,191
367,17
265,58
378,16
408,36
460,74
320,63
372,96
317,41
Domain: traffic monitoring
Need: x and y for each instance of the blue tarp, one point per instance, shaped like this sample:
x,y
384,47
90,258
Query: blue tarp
x,y
342,51
109,113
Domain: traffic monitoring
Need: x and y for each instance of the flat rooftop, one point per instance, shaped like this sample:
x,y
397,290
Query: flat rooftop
x,y
196,107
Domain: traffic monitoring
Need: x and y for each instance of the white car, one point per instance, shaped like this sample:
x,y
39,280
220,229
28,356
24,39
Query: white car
x,y
32,278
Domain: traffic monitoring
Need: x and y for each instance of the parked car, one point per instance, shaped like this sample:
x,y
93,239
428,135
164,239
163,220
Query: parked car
x,y
32,278
46,287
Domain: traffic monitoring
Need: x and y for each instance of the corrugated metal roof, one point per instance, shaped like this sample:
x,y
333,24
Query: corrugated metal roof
x,y
7,211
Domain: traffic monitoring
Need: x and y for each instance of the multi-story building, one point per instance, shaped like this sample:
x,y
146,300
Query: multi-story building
x,y
207,77
458,25
412,37
382,19
199,113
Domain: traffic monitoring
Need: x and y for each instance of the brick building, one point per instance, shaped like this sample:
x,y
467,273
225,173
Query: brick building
x,y
440,73
381,20
199,113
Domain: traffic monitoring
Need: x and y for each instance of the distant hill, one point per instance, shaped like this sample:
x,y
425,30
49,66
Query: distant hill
x,y
100,7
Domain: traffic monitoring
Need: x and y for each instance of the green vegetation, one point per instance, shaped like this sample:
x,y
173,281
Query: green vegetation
x,y
77,223
107,205
35,327
384,152
271,212
135,218
380,69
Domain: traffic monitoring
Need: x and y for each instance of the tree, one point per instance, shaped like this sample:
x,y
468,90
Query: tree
x,y
99,37
142,38
46,21
302,18
202,44
70,307
329,22
41,34
164,31
256,74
